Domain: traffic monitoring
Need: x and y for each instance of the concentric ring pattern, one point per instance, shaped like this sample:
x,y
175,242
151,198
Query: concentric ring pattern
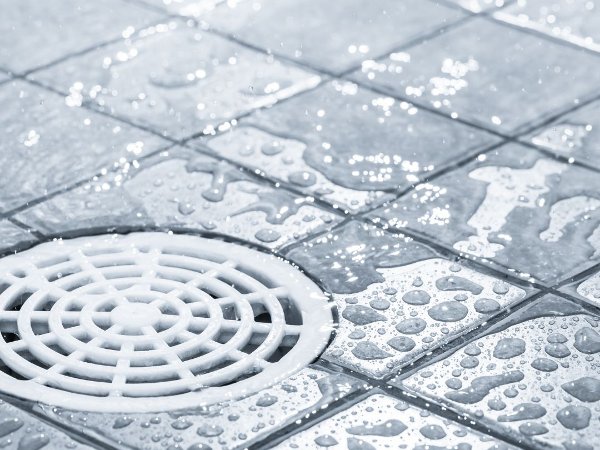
x,y
123,322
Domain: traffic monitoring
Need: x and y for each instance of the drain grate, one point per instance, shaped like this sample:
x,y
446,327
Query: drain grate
x,y
153,321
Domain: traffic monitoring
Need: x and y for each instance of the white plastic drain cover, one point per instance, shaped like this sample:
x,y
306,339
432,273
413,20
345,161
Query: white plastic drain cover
x,y
153,322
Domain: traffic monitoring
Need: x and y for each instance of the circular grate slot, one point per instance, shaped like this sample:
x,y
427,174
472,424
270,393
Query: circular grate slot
x,y
122,323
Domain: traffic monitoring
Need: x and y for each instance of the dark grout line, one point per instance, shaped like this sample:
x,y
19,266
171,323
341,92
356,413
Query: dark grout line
x,y
42,199
415,399
32,230
72,432
88,49
542,36
315,417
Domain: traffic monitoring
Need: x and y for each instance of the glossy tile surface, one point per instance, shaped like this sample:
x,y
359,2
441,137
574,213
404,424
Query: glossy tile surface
x,y
331,36
381,421
201,81
399,299
516,207
33,34
351,147
575,21
41,135
488,74
535,376
183,189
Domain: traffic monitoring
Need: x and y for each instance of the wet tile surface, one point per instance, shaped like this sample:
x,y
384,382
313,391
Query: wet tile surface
x,y
575,135
396,298
183,189
41,135
332,36
33,34
201,82
349,146
575,21
587,289
535,376
236,424
13,236
488,74
381,421
515,207
22,431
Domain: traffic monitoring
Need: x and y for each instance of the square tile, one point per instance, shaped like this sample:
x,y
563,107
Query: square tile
x,y
21,430
229,425
488,74
534,376
381,421
478,6
575,135
183,189
177,80
349,146
332,36
396,299
575,21
12,236
34,33
47,145
515,207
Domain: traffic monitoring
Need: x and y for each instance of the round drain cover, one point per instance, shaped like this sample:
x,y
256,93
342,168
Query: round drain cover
x,y
152,322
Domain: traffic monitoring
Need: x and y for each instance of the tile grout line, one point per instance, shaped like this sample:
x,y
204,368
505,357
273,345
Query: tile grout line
x,y
72,432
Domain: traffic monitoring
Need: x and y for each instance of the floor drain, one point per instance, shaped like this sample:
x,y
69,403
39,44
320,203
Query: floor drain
x,y
153,321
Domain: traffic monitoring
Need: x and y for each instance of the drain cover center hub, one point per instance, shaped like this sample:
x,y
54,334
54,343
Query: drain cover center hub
x,y
135,316
153,322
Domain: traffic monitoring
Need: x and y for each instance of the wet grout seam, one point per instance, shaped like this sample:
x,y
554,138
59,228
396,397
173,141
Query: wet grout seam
x,y
86,50
417,400
73,433
314,417
540,35
36,201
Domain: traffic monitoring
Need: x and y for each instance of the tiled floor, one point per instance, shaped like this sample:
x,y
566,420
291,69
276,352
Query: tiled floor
x,y
434,165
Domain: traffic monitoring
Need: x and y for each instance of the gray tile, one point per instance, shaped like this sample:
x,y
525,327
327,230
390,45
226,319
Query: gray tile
x,y
575,21
575,135
23,431
396,298
36,33
233,424
349,145
588,289
515,207
478,6
12,236
182,189
334,36
534,376
488,74
177,80
47,145
381,421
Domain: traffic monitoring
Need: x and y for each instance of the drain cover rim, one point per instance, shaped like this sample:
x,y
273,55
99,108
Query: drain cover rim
x,y
303,293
